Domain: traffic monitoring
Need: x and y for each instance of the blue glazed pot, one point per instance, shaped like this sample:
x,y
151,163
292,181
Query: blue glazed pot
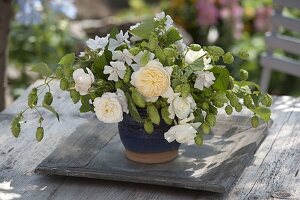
x,y
139,145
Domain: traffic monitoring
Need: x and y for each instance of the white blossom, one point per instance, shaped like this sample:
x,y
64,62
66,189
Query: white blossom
x,y
162,15
204,79
97,43
81,54
108,108
134,26
191,56
181,46
137,59
181,107
182,133
120,40
116,70
83,80
124,56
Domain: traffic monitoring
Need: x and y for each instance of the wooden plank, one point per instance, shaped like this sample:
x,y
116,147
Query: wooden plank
x,y
281,64
18,158
288,44
287,3
274,171
286,22
222,158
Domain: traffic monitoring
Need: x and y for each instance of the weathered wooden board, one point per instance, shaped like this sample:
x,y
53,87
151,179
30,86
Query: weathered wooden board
x,y
273,173
94,150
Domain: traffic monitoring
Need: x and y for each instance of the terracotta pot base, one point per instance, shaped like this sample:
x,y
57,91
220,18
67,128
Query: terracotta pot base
x,y
151,158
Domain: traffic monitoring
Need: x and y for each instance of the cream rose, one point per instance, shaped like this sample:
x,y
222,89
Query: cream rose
x,y
108,108
152,80
83,81
181,107
183,133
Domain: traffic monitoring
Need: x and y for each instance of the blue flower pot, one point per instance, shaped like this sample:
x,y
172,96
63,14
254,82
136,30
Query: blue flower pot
x,y
143,147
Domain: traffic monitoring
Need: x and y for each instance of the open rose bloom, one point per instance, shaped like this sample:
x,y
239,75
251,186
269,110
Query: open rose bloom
x,y
150,68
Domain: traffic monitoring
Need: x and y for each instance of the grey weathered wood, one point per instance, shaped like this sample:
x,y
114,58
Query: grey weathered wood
x,y
275,169
288,44
95,151
272,172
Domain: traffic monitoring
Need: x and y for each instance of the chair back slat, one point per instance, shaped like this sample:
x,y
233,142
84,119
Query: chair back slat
x,y
286,43
276,40
281,64
286,22
287,3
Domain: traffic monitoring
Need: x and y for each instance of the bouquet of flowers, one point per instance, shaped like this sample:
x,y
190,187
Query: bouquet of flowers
x,y
150,68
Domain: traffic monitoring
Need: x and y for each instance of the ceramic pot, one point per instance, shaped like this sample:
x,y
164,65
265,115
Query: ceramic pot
x,y
143,147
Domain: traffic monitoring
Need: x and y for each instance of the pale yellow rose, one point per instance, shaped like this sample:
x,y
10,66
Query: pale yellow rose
x,y
152,80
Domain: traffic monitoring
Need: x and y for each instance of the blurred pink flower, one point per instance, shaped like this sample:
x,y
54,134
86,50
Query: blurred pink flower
x,y
237,18
262,19
227,2
207,12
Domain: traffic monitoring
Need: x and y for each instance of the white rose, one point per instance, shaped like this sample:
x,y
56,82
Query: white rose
x,y
108,108
181,107
152,80
191,56
183,133
83,81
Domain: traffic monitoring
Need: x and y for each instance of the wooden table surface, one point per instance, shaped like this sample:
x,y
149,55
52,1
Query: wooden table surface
x,y
273,173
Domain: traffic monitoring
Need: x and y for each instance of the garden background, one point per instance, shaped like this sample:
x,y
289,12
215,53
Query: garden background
x,y
45,30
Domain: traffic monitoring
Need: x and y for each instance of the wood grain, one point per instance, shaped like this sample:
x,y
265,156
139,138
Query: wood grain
x,y
262,178
94,150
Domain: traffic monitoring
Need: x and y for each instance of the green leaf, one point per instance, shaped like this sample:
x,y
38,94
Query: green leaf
x,y
51,109
39,134
42,69
197,65
153,114
85,104
75,96
144,29
16,126
153,42
263,112
114,31
67,59
199,140
165,115
222,80
228,58
172,36
148,127
219,96
108,54
243,55
132,108
98,67
215,52
247,83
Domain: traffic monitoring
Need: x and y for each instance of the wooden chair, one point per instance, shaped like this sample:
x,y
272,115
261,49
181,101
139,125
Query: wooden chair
x,y
275,40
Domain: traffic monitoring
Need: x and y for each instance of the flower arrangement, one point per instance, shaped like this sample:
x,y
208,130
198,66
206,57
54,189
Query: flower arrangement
x,y
151,68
